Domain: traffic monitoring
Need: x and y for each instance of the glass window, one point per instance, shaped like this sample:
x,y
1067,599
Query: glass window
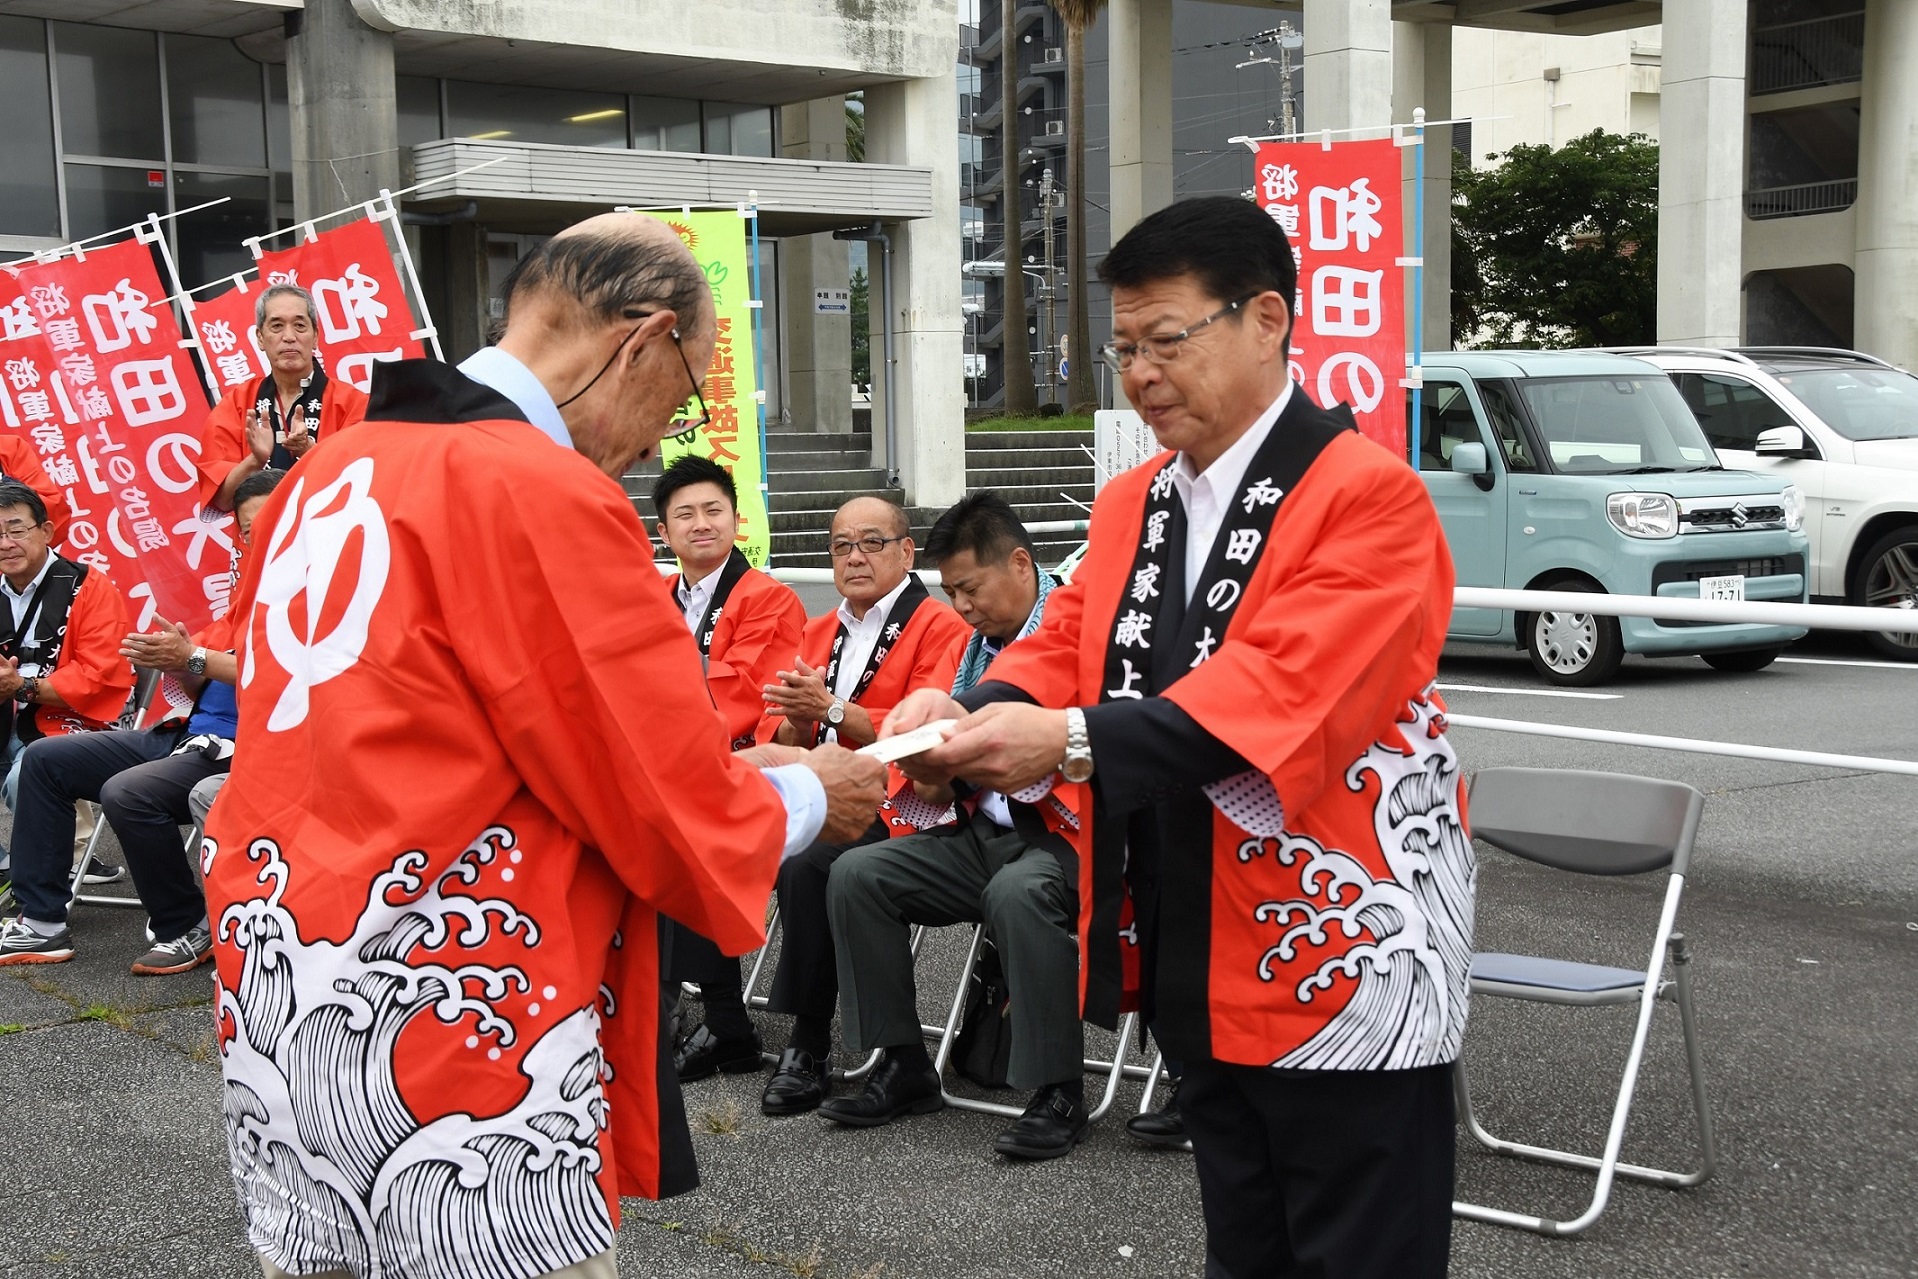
x,y
102,198
719,130
1446,421
665,124
29,204
279,139
109,91
1731,410
752,131
1508,425
1862,403
209,242
1616,425
214,97
520,113
419,109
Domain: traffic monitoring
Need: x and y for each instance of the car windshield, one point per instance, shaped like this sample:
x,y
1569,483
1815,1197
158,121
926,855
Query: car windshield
x,y
1616,425
1859,404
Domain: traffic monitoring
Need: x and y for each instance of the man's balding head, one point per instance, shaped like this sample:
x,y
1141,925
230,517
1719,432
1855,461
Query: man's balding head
x,y
614,317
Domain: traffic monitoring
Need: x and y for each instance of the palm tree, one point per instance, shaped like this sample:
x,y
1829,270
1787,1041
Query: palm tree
x,y
1078,15
1015,362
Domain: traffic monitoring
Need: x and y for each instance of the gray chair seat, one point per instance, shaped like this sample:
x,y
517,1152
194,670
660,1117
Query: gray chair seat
x,y
1553,974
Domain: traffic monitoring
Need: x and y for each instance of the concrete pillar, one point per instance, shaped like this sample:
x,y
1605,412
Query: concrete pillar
x,y
1885,323
910,122
468,291
1422,77
1139,34
818,347
343,108
1701,172
1348,64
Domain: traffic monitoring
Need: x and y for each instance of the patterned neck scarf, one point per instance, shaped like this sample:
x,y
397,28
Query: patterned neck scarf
x,y
973,663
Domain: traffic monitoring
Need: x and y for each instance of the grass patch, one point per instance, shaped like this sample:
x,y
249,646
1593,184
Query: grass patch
x,y
1068,422
722,1120
11,1028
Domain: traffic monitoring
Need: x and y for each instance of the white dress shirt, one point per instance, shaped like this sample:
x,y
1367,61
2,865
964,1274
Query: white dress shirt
x,y
21,598
800,789
695,599
1206,494
862,636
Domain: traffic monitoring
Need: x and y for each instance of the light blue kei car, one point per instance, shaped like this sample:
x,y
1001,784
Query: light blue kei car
x,y
1560,470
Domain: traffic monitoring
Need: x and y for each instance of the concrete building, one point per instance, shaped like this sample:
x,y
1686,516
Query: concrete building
x,y
117,108
1526,88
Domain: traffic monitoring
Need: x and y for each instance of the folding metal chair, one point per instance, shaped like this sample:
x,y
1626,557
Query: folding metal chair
x,y
847,1074
947,1034
144,689
1592,824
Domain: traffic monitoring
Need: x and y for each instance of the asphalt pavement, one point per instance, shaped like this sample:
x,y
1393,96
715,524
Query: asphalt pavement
x,y
1802,909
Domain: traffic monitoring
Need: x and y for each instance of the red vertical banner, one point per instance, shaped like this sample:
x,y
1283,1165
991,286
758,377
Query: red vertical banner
x,y
229,338
363,312
139,403
1340,207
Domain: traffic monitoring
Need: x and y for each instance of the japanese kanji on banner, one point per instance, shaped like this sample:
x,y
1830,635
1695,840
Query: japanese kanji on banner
x,y
731,437
229,338
1340,208
363,312
122,431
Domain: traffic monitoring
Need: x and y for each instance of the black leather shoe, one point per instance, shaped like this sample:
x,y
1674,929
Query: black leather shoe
x,y
1053,1124
1162,1127
703,1054
799,1084
891,1090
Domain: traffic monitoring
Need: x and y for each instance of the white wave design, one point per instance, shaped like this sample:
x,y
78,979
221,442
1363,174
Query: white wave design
x,y
1414,973
331,1167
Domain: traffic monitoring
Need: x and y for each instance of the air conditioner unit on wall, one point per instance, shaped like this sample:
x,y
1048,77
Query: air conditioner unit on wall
x,y
1055,128
1054,55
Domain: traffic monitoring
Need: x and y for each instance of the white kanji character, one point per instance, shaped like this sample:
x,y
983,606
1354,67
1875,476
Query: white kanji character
x,y
1132,629
1287,216
94,404
1243,545
1155,530
1145,583
8,416
200,534
234,369
1162,484
1364,384
1125,688
49,300
64,334
218,589
218,336
892,632
18,321
1223,594
349,305
62,470
1346,302
170,462
148,391
1281,181
1263,493
79,369
36,406
1206,645
357,368
283,277
1353,217
23,373
47,438
119,318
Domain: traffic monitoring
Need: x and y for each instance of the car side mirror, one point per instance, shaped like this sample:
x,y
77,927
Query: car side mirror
x,y
1470,459
1784,441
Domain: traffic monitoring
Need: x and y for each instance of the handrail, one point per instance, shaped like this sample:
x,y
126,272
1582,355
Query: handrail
x,y
1823,617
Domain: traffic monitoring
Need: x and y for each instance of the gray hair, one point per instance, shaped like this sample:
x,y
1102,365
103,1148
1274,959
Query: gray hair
x,y
284,291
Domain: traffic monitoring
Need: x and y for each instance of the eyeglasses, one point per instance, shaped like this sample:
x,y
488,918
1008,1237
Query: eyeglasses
x,y
681,426
17,532
1164,348
840,548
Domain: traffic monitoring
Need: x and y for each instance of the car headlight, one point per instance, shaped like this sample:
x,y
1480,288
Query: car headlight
x,y
1643,514
1793,500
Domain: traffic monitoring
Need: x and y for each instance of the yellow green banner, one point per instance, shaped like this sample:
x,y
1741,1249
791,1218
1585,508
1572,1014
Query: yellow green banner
x,y
730,436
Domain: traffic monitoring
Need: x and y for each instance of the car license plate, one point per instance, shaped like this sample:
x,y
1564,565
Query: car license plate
x,y
1729,587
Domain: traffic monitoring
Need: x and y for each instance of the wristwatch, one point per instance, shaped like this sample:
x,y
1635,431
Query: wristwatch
x,y
836,713
1077,766
29,689
196,664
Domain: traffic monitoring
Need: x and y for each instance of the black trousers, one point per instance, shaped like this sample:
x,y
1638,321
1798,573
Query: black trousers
x,y
1322,1174
806,980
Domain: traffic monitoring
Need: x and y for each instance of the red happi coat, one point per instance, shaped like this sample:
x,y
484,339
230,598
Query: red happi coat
x,y
90,675
755,638
20,461
223,434
1344,941
478,761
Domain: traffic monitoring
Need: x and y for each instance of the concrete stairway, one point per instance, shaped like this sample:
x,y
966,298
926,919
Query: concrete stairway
x,y
1042,473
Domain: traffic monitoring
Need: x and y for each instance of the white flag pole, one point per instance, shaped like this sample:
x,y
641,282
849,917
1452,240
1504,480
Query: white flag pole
x,y
427,331
75,246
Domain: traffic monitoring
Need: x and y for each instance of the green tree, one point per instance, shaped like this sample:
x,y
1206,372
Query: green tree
x,y
856,127
1558,248
860,300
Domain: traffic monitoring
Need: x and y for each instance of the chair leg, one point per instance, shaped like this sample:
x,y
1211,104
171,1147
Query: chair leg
x,y
1694,1061
86,863
1127,1025
949,1035
1153,1074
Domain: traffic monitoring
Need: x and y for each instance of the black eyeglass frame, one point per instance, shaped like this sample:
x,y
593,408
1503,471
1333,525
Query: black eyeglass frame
x,y
1120,357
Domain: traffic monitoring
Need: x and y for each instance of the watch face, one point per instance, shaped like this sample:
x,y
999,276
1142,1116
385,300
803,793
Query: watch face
x,y
836,713
1077,768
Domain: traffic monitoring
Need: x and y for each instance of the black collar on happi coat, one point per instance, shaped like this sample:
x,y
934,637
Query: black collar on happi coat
x,y
896,622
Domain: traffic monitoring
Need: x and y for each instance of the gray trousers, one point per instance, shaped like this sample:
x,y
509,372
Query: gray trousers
x,y
960,874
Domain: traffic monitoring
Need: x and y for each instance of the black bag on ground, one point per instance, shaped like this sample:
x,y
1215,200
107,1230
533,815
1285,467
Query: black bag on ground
x,y
983,1048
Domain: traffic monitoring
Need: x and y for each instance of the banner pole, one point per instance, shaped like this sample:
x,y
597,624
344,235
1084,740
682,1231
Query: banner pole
x,y
307,226
428,329
150,234
750,211
1418,280
53,255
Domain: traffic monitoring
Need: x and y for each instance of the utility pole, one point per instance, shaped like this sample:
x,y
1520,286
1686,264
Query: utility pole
x,y
1049,338
1288,41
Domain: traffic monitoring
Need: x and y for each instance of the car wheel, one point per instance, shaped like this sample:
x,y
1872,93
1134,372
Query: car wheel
x,y
1888,578
1751,659
1573,649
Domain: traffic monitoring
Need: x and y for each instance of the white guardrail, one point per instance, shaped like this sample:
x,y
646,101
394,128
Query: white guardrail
x,y
1828,617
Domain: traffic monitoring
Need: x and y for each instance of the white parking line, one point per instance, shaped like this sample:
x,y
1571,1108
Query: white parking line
x,y
1535,692
1841,661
